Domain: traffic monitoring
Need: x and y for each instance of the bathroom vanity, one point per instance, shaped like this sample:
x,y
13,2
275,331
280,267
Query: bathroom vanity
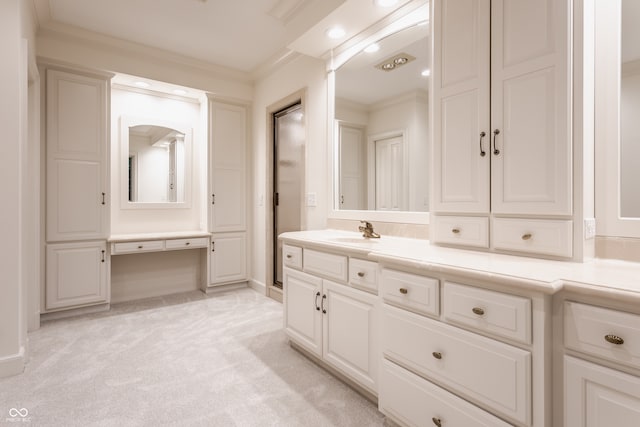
x,y
445,336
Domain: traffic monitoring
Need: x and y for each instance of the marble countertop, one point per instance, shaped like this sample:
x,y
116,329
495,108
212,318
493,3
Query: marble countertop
x,y
607,278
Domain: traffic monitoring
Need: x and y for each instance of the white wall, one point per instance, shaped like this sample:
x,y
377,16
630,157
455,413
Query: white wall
x,y
145,105
16,32
302,73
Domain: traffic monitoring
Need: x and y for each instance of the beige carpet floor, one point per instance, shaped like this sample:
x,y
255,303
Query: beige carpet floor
x,y
184,360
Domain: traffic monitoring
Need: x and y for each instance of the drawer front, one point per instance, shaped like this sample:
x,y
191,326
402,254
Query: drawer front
x,y
292,256
414,292
460,230
133,247
540,236
415,401
363,274
325,264
195,242
598,331
500,314
490,372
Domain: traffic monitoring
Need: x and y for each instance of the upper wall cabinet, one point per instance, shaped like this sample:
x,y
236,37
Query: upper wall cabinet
x,y
501,116
77,165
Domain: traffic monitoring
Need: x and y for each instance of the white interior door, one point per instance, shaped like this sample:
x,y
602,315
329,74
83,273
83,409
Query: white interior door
x,y
390,182
352,168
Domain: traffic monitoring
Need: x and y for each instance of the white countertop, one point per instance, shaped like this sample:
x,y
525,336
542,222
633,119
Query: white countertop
x,y
610,278
162,235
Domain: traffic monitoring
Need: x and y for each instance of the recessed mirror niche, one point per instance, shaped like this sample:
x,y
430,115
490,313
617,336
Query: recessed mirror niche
x,y
381,118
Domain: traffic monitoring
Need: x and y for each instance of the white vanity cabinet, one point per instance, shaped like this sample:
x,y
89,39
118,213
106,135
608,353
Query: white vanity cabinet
x,y
461,344
596,395
334,321
77,199
76,274
501,135
228,191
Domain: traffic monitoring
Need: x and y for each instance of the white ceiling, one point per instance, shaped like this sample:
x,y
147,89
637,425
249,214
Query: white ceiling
x,y
239,34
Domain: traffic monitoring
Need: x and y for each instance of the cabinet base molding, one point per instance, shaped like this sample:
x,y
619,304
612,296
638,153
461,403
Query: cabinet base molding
x,y
13,364
213,289
64,313
315,359
276,294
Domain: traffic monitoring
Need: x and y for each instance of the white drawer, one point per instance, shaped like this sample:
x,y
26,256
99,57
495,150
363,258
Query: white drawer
x,y
602,332
133,247
500,314
493,373
292,256
324,264
195,242
363,274
416,293
460,230
540,236
415,401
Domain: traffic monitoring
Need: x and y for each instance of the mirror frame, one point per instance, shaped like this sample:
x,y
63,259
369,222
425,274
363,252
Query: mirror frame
x,y
345,53
129,121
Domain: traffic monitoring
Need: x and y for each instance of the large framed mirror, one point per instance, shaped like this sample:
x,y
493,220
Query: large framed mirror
x,y
379,91
155,159
617,95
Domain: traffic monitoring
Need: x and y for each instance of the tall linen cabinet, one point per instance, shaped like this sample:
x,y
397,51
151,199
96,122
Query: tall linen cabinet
x,y
77,200
502,141
228,192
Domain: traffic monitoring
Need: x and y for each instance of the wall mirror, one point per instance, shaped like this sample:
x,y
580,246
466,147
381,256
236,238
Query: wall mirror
x,y
380,124
155,163
617,107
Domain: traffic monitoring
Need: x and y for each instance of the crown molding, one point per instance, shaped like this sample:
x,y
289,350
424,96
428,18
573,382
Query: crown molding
x,y
68,33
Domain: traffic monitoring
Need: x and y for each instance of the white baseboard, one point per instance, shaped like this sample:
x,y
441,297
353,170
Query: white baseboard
x,y
13,364
257,286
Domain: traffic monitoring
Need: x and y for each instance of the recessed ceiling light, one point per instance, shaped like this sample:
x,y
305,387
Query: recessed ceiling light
x,y
142,84
385,3
373,47
426,73
336,32
180,92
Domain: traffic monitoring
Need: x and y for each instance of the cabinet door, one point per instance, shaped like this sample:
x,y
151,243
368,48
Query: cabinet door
x,y
302,298
350,340
228,258
227,131
76,274
530,107
461,106
76,137
596,396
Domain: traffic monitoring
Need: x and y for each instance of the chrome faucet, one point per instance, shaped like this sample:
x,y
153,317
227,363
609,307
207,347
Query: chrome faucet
x,y
367,231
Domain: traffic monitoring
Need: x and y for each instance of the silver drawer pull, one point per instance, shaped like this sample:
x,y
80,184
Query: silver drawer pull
x,y
527,236
360,274
455,231
614,339
477,310
437,421
403,291
437,355
289,256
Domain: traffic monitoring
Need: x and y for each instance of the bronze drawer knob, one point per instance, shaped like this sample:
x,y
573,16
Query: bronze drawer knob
x,y
360,274
437,421
527,236
614,339
455,231
289,256
437,355
403,291
477,310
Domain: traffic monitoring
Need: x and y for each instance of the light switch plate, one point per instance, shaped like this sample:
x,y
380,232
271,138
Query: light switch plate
x,y
589,228
311,199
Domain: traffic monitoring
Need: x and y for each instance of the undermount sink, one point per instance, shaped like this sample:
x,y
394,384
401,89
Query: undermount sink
x,y
354,240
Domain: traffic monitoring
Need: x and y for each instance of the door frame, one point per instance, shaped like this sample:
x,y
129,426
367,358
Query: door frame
x,y
295,97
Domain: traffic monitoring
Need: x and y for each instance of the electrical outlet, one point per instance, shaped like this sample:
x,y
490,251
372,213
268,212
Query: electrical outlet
x,y
311,199
589,228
